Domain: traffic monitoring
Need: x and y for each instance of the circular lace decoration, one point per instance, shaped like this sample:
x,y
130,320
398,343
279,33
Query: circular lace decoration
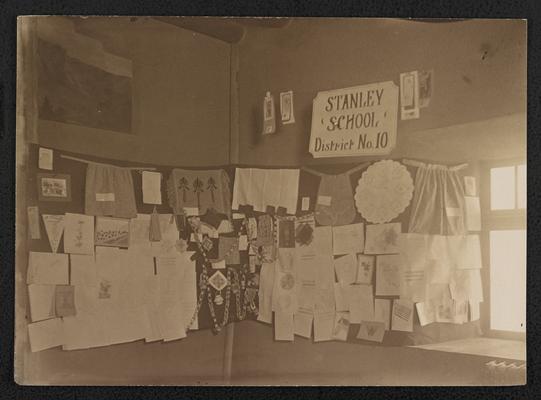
x,y
384,191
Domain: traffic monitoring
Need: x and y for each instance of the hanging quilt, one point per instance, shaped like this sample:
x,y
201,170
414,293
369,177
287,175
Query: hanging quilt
x,y
199,189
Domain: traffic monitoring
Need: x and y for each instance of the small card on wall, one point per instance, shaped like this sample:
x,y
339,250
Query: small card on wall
x,y
33,222
45,160
305,205
286,107
152,193
426,87
402,317
113,232
269,119
409,95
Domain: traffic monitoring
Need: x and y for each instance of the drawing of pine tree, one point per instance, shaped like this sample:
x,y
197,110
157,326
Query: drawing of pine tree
x,y
197,189
211,185
183,185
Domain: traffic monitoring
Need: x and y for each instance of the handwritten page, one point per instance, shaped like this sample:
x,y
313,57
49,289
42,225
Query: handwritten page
x,y
341,299
283,326
341,326
41,299
382,312
361,303
323,326
373,331
346,268
382,238
45,159
78,234
151,183
388,275
48,268
413,285
365,269
45,334
303,324
402,316
348,239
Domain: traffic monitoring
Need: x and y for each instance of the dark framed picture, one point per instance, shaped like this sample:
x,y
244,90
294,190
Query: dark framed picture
x,y
54,187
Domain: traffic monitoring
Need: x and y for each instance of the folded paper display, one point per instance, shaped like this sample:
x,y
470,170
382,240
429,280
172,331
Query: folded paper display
x,y
261,188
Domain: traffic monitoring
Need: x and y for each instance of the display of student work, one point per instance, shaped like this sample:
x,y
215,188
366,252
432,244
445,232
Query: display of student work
x,y
209,261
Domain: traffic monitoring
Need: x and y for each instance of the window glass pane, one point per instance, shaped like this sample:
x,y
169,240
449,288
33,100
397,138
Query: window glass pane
x,y
521,186
502,188
508,280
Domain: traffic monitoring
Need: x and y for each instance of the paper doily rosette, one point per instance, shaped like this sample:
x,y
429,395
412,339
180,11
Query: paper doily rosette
x,y
384,191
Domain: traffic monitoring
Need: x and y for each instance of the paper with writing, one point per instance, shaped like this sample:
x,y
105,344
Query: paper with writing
x,y
48,268
388,275
346,268
360,303
323,326
365,269
348,239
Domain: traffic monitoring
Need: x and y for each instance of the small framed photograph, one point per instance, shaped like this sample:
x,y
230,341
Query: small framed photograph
x,y
54,187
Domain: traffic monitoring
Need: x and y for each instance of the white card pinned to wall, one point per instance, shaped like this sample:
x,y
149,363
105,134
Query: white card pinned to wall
x,y
152,192
286,107
45,160
409,95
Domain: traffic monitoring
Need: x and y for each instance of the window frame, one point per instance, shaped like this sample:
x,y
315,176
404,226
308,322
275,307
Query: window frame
x,y
493,220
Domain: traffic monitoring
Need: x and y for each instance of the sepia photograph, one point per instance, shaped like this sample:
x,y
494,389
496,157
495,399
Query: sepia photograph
x,y
270,201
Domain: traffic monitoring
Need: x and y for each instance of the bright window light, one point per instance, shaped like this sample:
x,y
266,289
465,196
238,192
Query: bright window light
x,y
508,280
521,186
502,188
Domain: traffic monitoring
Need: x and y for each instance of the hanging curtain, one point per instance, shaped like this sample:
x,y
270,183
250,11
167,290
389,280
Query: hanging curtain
x,y
437,207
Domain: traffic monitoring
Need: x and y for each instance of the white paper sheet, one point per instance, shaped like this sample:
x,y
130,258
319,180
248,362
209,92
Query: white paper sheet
x,y
41,299
151,184
365,269
414,250
283,326
346,268
373,331
48,268
46,334
303,324
341,326
426,312
382,238
361,303
266,285
388,275
348,239
402,316
413,285
341,297
78,234
323,326
382,312
45,159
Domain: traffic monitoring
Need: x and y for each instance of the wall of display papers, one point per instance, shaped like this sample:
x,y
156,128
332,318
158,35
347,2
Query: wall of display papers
x,y
324,255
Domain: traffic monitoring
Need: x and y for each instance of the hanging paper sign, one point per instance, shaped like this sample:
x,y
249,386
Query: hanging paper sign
x,y
54,226
359,120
